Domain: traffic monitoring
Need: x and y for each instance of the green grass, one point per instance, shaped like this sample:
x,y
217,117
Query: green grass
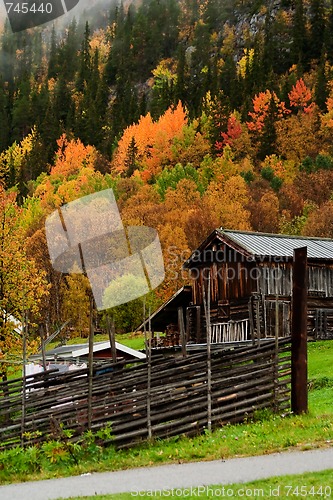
x,y
133,340
320,375
320,357
310,485
266,433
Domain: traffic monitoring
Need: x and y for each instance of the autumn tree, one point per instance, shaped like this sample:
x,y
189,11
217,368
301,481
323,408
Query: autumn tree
x,y
267,110
315,187
320,222
22,284
298,136
128,314
76,303
153,141
228,202
233,132
143,208
19,162
72,175
265,214
51,313
261,105
300,97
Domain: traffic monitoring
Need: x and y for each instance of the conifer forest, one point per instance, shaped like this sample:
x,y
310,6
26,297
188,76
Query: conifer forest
x,y
198,114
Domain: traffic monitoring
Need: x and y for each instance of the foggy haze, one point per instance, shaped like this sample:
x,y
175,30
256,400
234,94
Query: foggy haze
x,y
82,7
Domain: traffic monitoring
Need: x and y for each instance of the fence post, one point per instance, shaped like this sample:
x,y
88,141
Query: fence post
x,y
24,341
90,359
182,332
149,380
209,362
299,389
111,332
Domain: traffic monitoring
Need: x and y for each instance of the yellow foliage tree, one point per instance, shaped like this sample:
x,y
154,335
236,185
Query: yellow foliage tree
x,y
297,136
76,302
228,201
22,284
13,159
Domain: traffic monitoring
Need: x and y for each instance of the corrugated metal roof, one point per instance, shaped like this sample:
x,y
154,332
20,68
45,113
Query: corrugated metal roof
x,y
78,350
277,245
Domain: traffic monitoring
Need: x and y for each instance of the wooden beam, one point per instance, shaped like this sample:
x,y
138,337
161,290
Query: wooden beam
x,y
181,328
112,338
299,389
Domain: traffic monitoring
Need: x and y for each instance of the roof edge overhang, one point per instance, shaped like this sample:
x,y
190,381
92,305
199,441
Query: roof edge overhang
x,y
197,257
185,288
220,236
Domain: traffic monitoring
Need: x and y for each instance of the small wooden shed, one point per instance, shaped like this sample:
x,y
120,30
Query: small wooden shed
x,y
250,276
166,319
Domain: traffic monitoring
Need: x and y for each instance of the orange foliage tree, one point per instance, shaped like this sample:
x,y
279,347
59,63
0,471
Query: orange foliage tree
x,y
301,97
72,175
147,144
234,131
261,104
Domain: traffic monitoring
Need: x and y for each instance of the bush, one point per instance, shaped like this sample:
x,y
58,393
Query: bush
x,y
276,183
248,176
324,162
307,165
267,173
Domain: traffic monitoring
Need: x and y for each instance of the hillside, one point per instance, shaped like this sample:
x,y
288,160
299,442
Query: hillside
x,y
197,115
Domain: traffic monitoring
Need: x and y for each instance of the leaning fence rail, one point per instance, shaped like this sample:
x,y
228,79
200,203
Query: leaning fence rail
x,y
243,380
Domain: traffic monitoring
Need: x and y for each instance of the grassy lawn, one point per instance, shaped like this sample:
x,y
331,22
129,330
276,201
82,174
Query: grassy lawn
x,y
133,340
266,433
310,485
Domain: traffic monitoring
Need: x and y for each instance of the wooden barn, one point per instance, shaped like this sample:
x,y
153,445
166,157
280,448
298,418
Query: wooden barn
x,y
250,279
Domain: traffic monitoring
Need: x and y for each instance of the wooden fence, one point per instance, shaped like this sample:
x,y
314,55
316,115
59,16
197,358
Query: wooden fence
x,y
243,380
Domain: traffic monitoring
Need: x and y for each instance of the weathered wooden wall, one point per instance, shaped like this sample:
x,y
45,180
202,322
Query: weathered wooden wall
x,y
243,380
276,279
236,285
236,280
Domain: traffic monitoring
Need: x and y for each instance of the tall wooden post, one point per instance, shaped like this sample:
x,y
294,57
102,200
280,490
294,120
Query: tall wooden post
x,y
112,338
42,338
182,332
299,389
24,340
90,359
209,362
149,380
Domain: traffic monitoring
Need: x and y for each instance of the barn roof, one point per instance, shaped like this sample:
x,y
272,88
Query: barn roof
x,y
279,245
265,245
